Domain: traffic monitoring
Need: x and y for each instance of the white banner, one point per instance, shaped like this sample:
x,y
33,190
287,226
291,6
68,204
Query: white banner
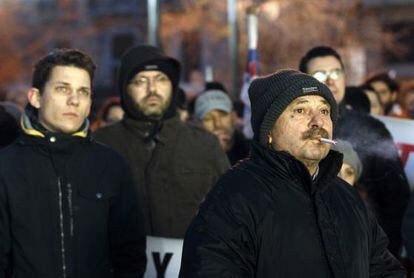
x,y
164,257
403,133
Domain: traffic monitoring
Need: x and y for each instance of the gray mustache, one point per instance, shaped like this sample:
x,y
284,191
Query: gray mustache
x,y
314,132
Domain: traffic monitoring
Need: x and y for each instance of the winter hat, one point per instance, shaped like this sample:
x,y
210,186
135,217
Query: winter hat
x,y
270,95
212,100
140,58
350,156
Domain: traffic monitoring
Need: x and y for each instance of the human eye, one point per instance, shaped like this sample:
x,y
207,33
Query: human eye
x,y
85,92
321,76
161,78
335,73
207,119
299,110
349,172
62,89
139,81
325,111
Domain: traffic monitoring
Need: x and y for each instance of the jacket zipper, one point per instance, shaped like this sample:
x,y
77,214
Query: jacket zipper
x,y
69,186
62,232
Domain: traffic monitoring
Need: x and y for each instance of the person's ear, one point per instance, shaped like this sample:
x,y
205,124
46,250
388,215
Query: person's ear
x,y
269,140
34,96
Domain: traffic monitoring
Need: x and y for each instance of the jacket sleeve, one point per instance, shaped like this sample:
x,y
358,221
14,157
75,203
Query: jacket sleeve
x,y
220,241
382,263
127,231
4,232
408,229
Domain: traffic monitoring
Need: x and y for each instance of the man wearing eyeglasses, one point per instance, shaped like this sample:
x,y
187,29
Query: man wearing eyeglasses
x,y
174,164
383,176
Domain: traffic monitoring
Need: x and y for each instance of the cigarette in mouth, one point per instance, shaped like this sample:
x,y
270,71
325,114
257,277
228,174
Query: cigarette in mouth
x,y
328,141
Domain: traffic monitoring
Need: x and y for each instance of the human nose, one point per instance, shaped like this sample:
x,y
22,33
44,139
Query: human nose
x,y
217,122
151,85
73,98
316,120
329,80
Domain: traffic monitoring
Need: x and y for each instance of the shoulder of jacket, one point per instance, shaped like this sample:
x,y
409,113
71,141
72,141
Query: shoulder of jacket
x,y
198,132
241,181
10,152
236,193
108,131
102,148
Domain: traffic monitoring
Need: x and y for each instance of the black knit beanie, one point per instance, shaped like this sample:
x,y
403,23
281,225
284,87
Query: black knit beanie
x,y
270,95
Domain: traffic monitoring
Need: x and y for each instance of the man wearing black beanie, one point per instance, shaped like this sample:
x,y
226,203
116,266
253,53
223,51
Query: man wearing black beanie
x,y
284,212
174,164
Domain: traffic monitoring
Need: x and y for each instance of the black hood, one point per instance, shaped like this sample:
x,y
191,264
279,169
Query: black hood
x,y
136,59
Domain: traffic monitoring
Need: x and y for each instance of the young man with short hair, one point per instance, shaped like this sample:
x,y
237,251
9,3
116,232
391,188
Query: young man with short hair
x,y
68,205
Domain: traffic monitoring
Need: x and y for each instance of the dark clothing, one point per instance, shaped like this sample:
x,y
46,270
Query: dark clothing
x,y
68,208
408,229
9,128
383,173
240,148
267,218
174,167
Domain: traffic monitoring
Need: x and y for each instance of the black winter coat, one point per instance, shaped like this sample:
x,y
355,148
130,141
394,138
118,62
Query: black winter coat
x,y
173,169
383,173
68,208
267,218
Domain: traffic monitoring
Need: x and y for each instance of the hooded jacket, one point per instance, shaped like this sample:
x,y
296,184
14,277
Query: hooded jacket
x,y
174,164
266,217
146,57
68,208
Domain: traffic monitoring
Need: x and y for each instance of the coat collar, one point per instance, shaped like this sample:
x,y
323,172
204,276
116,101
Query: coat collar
x,y
289,167
159,131
35,133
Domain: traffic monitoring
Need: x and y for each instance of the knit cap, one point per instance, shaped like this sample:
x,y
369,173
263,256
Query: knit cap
x,y
270,95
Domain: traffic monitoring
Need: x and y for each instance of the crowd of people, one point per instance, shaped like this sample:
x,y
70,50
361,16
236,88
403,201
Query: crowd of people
x,y
319,191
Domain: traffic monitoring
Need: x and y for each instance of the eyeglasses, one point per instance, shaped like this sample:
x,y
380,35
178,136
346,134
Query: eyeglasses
x,y
145,81
323,75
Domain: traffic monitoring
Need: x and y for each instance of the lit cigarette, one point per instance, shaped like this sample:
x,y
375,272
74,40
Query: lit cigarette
x,y
328,141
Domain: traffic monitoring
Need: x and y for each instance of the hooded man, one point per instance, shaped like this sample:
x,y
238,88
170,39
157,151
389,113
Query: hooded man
x,y
383,174
68,205
284,212
174,164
